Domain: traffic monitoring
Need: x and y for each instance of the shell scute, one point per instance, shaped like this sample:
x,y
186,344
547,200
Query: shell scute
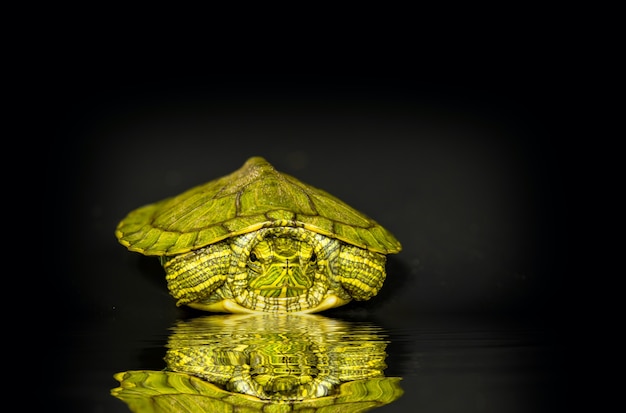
x,y
344,231
209,236
274,193
280,215
384,237
241,224
183,240
330,207
195,214
165,241
150,237
317,223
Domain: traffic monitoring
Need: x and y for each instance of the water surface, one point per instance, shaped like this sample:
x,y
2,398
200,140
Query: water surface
x,y
446,363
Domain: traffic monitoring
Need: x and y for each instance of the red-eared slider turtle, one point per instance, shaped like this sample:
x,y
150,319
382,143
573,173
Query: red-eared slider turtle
x,y
258,240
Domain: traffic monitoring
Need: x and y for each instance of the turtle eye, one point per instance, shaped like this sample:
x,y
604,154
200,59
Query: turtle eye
x,y
253,257
313,258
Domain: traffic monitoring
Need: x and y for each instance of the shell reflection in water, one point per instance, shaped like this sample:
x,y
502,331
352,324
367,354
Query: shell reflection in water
x,y
269,363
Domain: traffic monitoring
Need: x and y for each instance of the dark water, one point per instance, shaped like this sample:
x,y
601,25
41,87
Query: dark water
x,y
447,363
468,180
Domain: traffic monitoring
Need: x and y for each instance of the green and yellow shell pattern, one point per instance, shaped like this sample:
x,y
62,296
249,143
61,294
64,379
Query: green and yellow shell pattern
x,y
258,240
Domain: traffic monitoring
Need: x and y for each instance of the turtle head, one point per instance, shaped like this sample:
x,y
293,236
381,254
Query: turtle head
x,y
281,267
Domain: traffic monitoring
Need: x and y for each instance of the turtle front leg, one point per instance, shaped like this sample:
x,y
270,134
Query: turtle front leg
x,y
360,272
194,276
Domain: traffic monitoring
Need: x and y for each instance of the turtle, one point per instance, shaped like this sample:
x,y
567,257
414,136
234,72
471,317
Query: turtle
x,y
258,240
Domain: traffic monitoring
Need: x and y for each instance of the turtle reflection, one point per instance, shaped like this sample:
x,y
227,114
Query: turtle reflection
x,y
298,362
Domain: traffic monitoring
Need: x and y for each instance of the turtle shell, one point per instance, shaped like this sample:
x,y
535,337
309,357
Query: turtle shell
x,y
253,197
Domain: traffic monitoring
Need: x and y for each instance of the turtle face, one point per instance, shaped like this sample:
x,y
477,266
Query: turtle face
x,y
281,267
285,269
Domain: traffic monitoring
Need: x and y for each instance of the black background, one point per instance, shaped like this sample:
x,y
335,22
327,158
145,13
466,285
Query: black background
x,y
466,171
